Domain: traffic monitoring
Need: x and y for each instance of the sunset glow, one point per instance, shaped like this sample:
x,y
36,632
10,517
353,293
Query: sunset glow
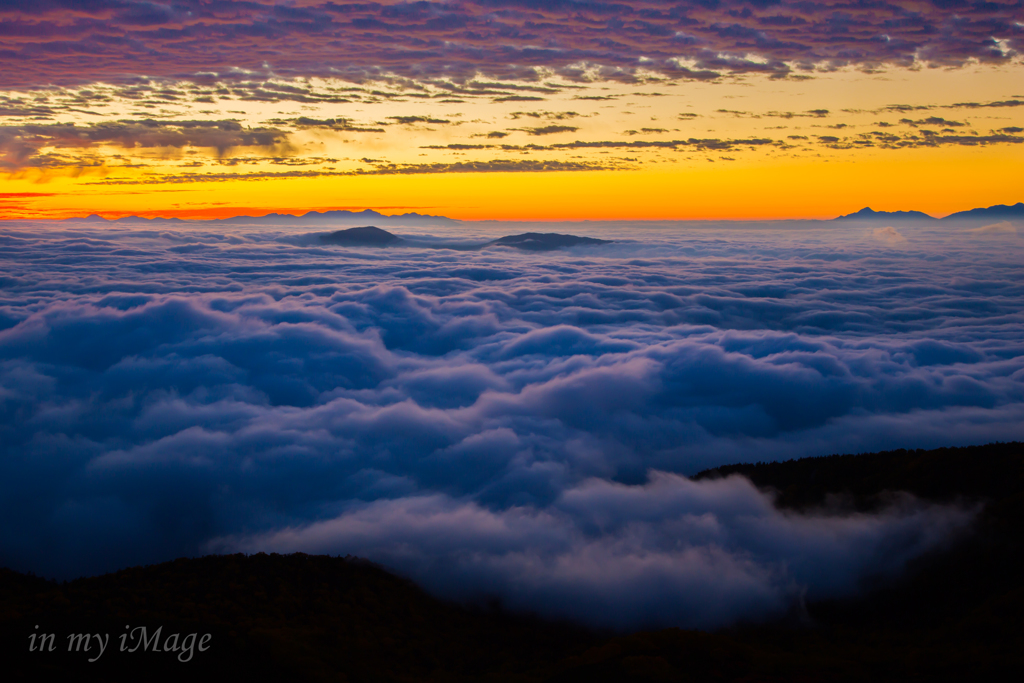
x,y
544,140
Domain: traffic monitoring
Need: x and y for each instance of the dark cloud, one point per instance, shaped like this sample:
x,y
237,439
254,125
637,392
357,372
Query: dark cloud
x,y
457,146
550,115
925,138
550,130
988,105
220,41
812,113
904,108
496,422
933,121
339,124
409,120
519,98
17,107
647,131
492,166
691,143
19,145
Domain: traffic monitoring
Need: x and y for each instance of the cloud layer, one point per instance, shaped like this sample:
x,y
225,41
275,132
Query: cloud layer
x,y
670,553
495,422
68,43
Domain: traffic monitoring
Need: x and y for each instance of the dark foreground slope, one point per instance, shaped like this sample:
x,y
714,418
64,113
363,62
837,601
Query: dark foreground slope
x,y
956,616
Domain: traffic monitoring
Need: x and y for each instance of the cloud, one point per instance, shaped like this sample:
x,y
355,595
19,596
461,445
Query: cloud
x,y
672,552
1000,228
889,235
496,421
379,167
20,145
409,120
339,124
700,144
204,41
933,121
550,130
550,115
926,138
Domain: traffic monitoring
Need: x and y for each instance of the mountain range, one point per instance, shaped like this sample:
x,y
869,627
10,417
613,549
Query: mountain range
x,y
1000,212
372,236
310,217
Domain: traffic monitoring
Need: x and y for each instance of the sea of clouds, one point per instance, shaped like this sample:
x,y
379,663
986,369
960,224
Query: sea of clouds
x,y
497,423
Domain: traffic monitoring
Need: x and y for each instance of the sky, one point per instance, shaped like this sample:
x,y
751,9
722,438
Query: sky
x,y
521,110
489,421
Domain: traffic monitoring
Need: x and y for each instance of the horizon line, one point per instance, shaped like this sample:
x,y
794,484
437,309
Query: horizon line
x,y
189,216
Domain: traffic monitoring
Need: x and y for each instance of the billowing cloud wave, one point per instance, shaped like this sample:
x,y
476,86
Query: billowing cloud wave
x,y
496,421
670,553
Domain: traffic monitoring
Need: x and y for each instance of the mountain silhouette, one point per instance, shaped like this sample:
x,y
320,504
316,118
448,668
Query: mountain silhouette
x,y
368,236
1000,212
530,241
867,214
544,241
372,236
343,216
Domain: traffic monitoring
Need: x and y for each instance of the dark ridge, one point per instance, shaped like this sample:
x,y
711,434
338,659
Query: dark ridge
x,y
272,617
544,241
867,214
998,212
368,236
995,471
955,605
957,615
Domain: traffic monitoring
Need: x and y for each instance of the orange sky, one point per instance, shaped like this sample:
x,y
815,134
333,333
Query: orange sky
x,y
935,140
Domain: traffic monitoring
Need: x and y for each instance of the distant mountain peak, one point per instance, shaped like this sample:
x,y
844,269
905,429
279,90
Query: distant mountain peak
x,y
372,236
331,217
367,236
867,213
344,215
997,212
544,241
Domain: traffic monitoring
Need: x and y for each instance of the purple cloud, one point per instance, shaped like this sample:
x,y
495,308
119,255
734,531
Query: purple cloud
x,y
671,553
69,43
